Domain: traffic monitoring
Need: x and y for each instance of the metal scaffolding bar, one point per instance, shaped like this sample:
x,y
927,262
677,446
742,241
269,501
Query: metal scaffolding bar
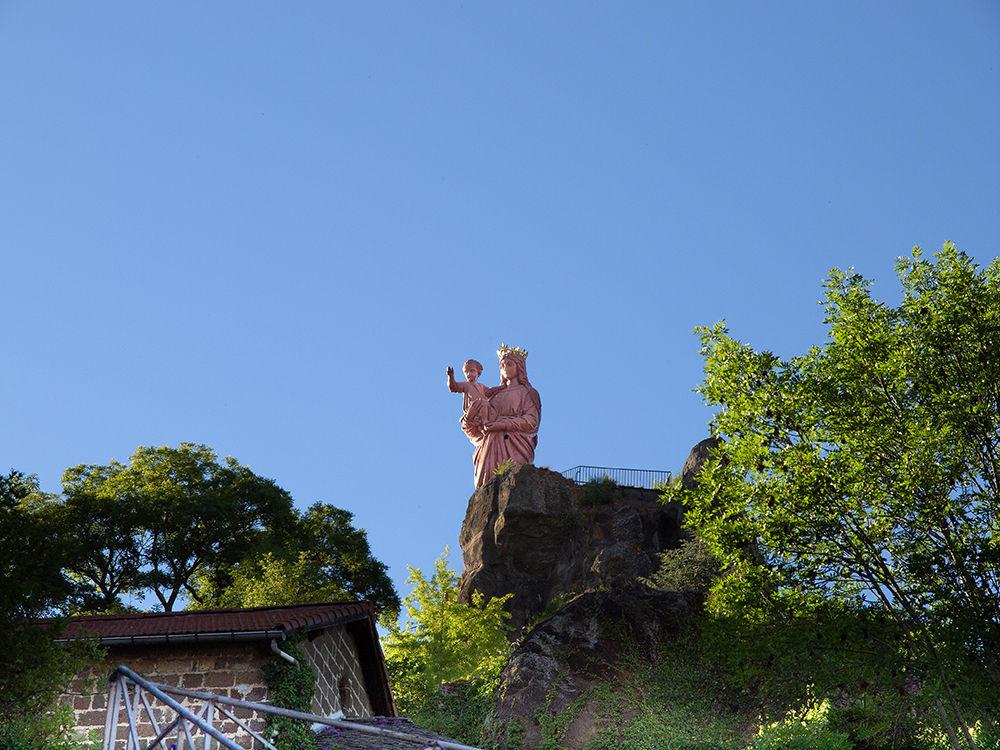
x,y
118,691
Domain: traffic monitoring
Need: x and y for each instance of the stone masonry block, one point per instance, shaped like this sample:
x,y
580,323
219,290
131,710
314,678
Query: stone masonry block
x,y
248,676
193,681
216,680
91,719
173,666
242,712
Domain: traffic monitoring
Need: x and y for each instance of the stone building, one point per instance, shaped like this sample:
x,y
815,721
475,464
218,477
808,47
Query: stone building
x,y
222,651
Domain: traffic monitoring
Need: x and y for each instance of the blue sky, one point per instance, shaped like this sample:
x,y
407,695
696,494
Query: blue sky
x,y
270,227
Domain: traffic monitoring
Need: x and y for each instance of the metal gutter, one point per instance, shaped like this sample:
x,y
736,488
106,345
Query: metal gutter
x,y
223,637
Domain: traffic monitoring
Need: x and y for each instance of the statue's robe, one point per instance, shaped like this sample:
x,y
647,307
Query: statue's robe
x,y
514,413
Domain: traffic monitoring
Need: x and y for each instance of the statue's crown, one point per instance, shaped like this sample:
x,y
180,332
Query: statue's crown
x,y
504,349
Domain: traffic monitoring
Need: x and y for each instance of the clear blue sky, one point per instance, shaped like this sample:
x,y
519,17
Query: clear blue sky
x,y
270,227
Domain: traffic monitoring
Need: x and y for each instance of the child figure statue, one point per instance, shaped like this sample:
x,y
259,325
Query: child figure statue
x,y
470,389
475,398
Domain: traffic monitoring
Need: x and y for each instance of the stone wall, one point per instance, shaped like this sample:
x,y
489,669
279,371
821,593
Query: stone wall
x,y
231,669
340,686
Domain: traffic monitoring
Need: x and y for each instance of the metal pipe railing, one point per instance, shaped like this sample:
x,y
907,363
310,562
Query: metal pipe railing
x,y
649,479
118,691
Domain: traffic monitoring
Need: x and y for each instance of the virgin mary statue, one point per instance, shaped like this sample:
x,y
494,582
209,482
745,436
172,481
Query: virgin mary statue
x,y
504,425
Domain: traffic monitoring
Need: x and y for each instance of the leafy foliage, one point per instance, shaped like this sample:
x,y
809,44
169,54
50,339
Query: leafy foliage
x,y
445,641
501,468
689,567
779,651
290,686
670,698
52,730
808,731
169,514
598,492
323,558
180,525
864,475
33,554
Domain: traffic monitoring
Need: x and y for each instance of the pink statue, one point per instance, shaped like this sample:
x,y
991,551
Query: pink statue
x,y
503,422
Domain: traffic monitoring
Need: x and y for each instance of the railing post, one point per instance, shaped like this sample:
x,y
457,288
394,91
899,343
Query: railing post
x,y
209,718
111,713
133,735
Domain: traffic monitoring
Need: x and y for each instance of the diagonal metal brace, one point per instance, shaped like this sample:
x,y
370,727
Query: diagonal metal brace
x,y
123,671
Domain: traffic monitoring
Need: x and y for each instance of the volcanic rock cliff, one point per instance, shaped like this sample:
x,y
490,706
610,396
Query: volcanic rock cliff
x,y
540,536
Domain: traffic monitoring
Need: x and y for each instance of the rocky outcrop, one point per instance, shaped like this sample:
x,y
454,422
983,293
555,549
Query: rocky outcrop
x,y
546,690
696,461
542,537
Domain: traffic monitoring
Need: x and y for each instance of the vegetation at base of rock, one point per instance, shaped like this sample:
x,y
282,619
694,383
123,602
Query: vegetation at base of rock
x,y
289,686
462,712
857,489
689,567
598,492
783,655
501,468
684,694
644,682
550,609
808,731
444,661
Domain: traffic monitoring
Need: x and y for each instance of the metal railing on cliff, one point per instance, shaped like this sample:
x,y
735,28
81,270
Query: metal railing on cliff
x,y
649,479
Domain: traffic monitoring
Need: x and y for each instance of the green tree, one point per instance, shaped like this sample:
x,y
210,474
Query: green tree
x,y
337,555
444,641
865,473
34,552
171,513
109,524
323,558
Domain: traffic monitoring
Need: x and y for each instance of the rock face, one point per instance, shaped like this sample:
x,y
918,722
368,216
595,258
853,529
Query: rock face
x,y
552,672
696,461
540,536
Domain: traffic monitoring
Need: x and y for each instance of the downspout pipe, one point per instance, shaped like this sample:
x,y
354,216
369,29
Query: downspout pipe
x,y
278,652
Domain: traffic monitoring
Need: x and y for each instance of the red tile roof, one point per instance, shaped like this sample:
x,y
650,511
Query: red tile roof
x,y
261,622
